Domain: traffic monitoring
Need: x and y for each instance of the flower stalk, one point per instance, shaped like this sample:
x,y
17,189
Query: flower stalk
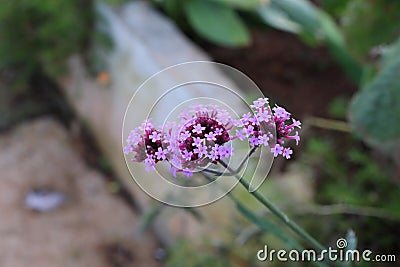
x,y
278,213
203,136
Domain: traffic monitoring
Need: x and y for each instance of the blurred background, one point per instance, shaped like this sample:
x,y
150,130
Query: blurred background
x,y
69,68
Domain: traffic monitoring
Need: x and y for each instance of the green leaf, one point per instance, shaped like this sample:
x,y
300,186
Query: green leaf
x,y
375,110
334,38
242,4
278,19
173,8
217,23
303,13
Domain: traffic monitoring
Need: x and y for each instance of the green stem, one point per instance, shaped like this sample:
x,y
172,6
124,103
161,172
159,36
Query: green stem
x,y
280,214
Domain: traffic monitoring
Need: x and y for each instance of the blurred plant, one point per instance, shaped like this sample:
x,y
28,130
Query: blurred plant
x,y
375,110
315,27
337,109
221,22
354,191
40,35
362,30
214,20
186,254
334,7
368,24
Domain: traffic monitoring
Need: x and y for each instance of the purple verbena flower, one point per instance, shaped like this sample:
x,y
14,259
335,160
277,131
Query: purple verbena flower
x,y
281,113
263,116
263,139
214,153
254,127
284,129
203,129
218,131
184,135
150,163
201,151
210,136
277,150
161,154
249,130
146,144
225,151
253,141
202,136
241,134
187,155
198,129
287,152
155,136
198,141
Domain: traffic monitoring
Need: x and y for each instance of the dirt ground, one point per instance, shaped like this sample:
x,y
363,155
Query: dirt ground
x,y
94,227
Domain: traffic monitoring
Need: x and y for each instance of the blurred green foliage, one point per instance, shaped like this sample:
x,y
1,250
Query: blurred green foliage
x,y
334,7
350,28
369,23
186,254
214,20
316,27
217,22
42,33
375,110
360,186
337,109
223,22
351,175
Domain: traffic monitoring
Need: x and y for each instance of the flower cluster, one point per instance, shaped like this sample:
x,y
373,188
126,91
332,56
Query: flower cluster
x,y
146,142
203,135
284,128
254,126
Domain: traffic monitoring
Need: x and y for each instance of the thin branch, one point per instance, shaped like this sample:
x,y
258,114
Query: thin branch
x,y
329,124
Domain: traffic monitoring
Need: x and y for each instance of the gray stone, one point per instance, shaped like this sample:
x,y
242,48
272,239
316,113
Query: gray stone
x,y
44,200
